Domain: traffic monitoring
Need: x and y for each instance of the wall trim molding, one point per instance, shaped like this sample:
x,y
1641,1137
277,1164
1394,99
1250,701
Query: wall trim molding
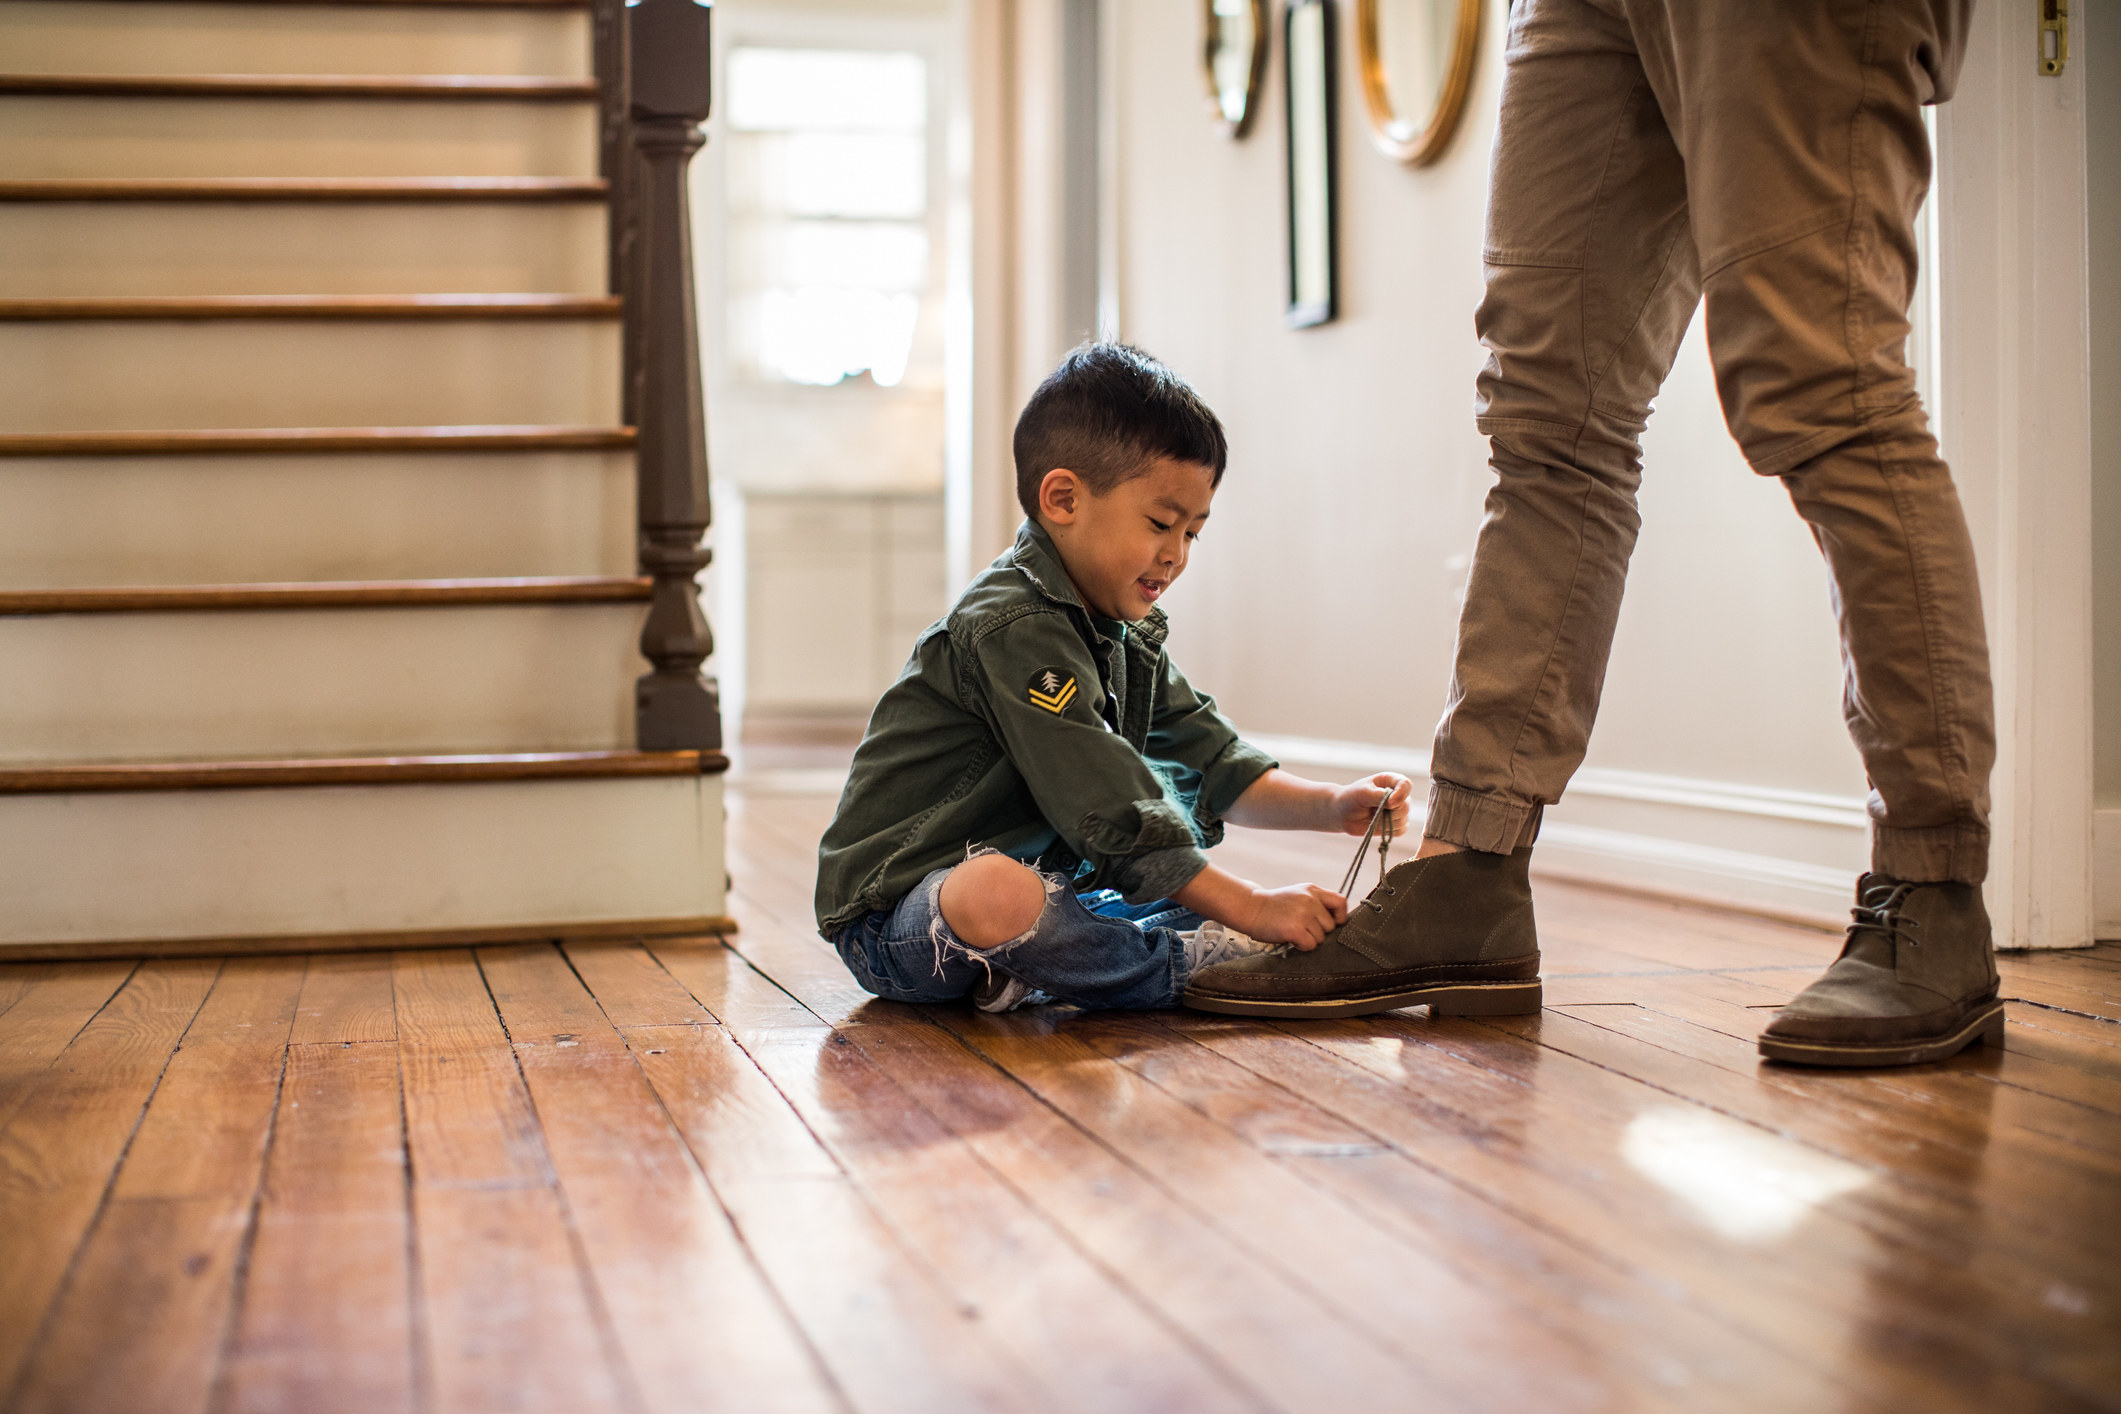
x,y
1815,895
1811,807
1666,865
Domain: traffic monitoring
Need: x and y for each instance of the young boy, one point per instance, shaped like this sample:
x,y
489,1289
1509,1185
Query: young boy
x,y
1027,816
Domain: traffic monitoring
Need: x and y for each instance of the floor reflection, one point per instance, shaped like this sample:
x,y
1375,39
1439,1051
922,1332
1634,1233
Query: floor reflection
x,y
1747,1184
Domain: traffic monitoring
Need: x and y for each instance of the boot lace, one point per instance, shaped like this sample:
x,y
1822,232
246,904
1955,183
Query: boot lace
x,y
1878,911
1381,827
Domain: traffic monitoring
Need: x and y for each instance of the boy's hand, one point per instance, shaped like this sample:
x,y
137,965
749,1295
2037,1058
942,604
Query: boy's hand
x,y
1300,913
1353,805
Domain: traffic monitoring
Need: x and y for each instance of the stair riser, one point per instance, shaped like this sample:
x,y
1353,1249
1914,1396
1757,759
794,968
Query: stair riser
x,y
319,682
240,248
252,863
44,136
95,37
99,376
80,522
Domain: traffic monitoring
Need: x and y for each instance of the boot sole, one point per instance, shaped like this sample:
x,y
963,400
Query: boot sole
x,y
1513,998
1983,1027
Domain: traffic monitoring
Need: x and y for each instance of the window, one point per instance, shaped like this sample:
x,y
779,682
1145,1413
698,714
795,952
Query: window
x,y
828,211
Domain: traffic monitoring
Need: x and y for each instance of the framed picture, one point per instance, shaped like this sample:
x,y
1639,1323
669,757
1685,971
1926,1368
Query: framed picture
x,y
1236,61
1308,45
1417,68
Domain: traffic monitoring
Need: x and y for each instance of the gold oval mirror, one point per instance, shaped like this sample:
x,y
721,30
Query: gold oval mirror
x,y
1236,56
1417,67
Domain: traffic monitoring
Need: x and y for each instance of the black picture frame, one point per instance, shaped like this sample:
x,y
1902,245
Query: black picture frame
x,y
1309,47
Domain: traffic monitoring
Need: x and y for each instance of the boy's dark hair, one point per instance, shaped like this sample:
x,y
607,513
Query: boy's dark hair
x,y
1105,414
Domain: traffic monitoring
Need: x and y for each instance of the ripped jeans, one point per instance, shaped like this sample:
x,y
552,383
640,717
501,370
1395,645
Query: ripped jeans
x,y
1093,950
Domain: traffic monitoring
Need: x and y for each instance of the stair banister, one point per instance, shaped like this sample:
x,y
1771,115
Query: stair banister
x,y
677,706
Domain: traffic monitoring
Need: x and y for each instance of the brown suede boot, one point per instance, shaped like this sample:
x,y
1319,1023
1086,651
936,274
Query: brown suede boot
x,y
1453,931
1916,981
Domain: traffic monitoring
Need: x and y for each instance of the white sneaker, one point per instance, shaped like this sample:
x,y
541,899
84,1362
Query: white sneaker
x,y
1214,942
999,992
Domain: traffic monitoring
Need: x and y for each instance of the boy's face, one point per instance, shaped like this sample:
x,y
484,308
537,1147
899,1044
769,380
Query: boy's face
x,y
1125,548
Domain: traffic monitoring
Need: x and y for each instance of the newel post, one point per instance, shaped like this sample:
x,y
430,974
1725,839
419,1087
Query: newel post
x,y
676,706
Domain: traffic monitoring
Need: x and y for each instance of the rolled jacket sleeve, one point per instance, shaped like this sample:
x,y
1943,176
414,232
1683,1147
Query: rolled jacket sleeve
x,y
1187,730
1034,681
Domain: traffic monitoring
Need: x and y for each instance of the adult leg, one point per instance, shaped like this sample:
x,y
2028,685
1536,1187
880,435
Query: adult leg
x,y
1805,182
1591,279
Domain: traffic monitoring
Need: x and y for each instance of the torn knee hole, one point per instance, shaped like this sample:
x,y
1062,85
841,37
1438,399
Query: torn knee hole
x,y
991,900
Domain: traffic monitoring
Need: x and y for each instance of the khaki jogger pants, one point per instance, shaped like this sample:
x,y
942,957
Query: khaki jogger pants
x,y
1768,159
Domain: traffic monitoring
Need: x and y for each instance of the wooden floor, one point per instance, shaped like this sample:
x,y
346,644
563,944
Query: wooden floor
x,y
689,1177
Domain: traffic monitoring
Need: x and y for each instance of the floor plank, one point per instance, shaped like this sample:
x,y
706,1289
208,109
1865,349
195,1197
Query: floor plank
x,y
467,1113
139,1325
1652,1348
1473,1348
49,1012
347,998
1937,1156
1185,1267
1128,1225
697,1322
18,979
889,1337
326,1316
59,1151
512,1319
2086,972
631,986
1785,1261
1000,1264
1736,1008
509,1322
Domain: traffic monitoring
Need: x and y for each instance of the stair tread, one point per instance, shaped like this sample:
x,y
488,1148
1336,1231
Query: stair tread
x,y
397,4
480,306
446,86
528,437
404,4
382,593
53,777
304,189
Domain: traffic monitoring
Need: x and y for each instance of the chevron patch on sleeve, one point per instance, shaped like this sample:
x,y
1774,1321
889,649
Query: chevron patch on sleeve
x,y
1052,689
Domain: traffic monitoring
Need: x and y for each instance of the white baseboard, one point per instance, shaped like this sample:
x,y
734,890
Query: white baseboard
x,y
2106,875
1815,894
1792,854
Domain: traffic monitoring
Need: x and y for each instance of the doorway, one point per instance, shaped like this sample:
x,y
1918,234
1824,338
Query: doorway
x,y
821,217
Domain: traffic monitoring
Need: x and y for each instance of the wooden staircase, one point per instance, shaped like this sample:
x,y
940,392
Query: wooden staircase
x,y
326,535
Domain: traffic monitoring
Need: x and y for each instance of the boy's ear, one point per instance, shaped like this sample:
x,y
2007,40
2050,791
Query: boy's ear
x,y
1060,495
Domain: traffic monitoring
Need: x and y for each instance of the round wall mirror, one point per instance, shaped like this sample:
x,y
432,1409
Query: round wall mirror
x,y
1417,67
1236,57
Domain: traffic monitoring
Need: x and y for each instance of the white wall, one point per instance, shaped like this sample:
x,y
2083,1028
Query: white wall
x,y
1323,600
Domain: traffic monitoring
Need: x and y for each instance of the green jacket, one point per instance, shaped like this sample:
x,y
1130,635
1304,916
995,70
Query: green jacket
x,y
1025,723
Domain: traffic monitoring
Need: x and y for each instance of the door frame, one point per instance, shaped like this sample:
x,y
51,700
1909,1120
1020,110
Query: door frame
x,y
2014,390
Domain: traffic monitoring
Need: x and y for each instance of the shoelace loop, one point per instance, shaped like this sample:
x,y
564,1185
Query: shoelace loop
x,y
1381,816
1880,912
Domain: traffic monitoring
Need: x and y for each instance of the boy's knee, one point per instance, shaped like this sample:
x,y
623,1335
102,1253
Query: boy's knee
x,y
991,899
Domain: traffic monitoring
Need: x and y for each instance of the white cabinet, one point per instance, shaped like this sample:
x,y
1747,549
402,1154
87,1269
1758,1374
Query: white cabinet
x,y
836,589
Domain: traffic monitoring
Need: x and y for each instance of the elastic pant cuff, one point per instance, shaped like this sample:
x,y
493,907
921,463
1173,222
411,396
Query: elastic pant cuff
x,y
1477,821
1937,854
